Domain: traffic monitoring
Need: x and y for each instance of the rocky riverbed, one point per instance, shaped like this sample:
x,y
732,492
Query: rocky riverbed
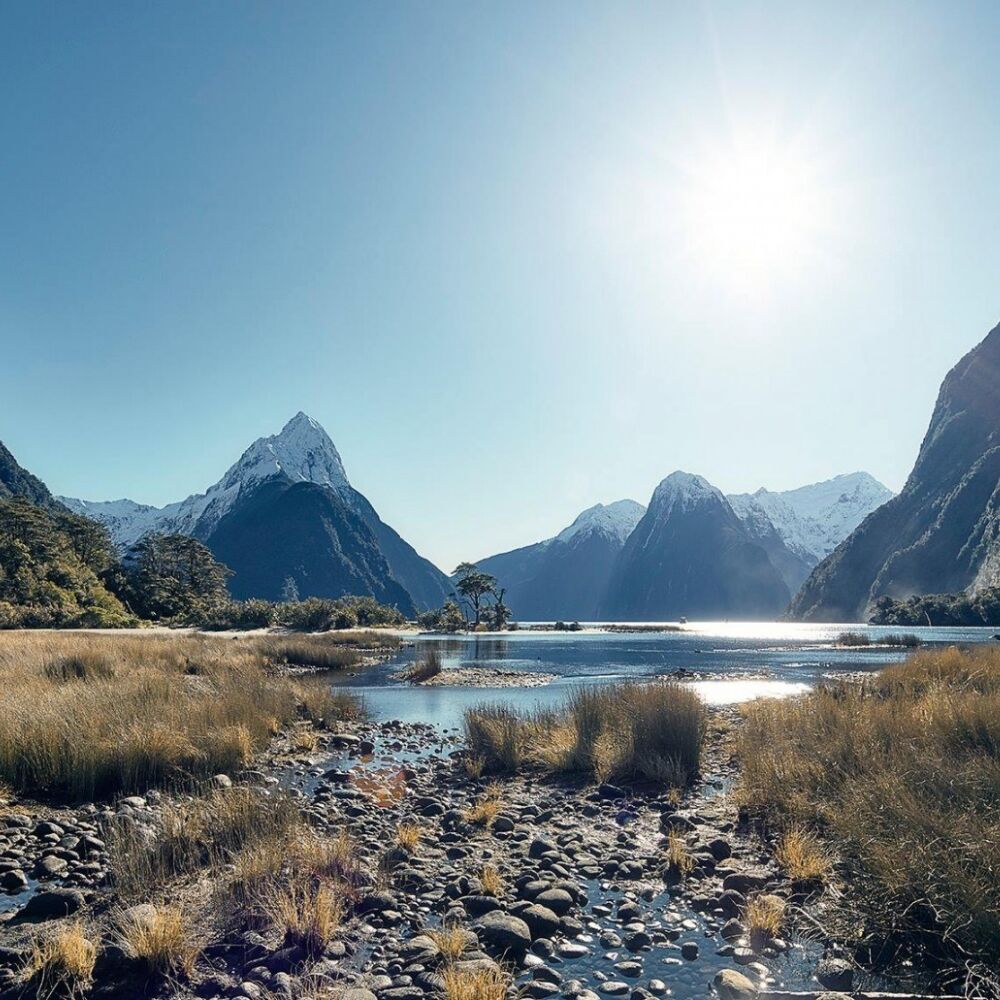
x,y
581,901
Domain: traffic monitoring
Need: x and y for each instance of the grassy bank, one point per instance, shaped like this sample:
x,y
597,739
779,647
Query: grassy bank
x,y
902,777
616,732
91,716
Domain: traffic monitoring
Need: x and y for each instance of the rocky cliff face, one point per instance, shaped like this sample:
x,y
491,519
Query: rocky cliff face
x,y
942,533
17,483
691,555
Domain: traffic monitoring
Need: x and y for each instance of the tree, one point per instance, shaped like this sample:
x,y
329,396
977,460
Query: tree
x,y
498,612
474,585
290,590
447,618
53,569
174,576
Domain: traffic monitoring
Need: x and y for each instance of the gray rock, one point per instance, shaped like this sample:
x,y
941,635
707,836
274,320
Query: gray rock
x,y
500,933
733,985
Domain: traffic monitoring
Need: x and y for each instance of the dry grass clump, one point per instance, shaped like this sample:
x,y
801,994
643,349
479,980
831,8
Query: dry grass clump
x,y
680,861
196,832
160,937
902,773
322,704
408,836
475,984
300,884
308,913
90,716
63,964
492,881
452,940
427,667
763,917
802,856
623,731
320,652
487,807
305,740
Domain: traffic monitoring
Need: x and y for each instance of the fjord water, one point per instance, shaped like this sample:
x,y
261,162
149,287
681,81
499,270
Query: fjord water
x,y
732,661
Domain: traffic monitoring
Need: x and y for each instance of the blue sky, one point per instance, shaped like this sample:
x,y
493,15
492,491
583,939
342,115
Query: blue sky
x,y
470,240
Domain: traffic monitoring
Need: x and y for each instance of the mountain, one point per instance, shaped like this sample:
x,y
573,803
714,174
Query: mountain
x,y
691,555
17,483
566,576
287,509
942,533
797,528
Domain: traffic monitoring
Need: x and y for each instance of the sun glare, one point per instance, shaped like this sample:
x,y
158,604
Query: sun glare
x,y
756,213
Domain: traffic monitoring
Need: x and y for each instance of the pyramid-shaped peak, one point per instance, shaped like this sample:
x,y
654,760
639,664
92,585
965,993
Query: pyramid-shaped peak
x,y
302,450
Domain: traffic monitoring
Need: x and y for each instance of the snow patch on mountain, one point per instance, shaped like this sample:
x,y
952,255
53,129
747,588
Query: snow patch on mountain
x,y
615,520
813,520
683,491
302,450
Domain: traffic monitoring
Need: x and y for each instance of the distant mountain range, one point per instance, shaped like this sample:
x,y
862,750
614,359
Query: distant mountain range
x,y
942,533
566,576
286,510
694,552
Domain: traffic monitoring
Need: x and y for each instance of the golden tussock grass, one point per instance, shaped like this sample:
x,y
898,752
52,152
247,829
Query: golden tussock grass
x,y
492,881
487,807
679,859
160,937
308,913
475,984
901,775
272,881
198,831
305,740
408,836
63,964
763,917
622,731
453,940
802,856
90,716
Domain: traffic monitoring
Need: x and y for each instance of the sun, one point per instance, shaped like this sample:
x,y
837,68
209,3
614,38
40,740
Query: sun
x,y
755,212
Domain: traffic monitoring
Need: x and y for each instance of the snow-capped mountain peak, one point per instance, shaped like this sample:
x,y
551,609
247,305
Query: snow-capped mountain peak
x,y
686,490
813,520
616,520
302,450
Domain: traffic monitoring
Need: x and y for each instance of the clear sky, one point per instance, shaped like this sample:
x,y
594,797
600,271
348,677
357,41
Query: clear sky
x,y
517,258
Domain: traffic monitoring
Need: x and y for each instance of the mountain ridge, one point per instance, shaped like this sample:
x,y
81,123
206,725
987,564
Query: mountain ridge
x,y
942,533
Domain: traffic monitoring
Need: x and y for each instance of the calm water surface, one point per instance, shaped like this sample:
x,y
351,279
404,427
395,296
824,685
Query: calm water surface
x,y
735,662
